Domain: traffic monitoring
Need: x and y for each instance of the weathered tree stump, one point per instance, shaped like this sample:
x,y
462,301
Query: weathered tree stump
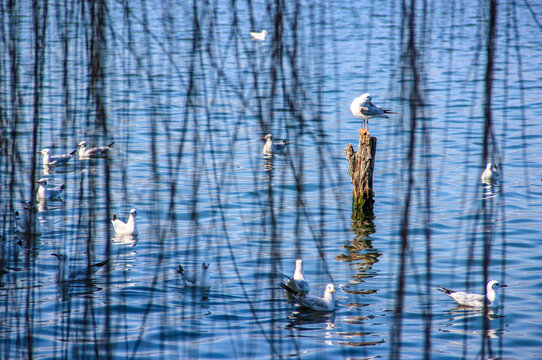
x,y
360,169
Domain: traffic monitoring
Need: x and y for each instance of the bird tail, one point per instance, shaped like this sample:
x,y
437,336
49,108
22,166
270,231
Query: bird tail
x,y
286,276
289,289
73,152
179,269
62,187
111,144
388,112
444,290
100,264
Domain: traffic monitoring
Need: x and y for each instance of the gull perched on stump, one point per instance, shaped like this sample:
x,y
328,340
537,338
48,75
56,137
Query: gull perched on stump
x,y
363,108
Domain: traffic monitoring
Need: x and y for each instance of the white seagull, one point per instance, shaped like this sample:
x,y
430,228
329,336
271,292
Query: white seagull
x,y
298,282
26,221
490,174
197,279
76,274
45,193
55,160
125,228
100,151
260,36
327,303
270,148
363,108
475,300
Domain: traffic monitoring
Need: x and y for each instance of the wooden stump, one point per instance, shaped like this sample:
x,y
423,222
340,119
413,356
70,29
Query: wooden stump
x,y
360,169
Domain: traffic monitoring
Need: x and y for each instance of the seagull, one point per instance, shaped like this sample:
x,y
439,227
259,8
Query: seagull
x,y
26,221
327,303
196,279
77,274
45,193
363,108
475,300
270,148
55,160
298,282
490,174
125,228
260,36
100,151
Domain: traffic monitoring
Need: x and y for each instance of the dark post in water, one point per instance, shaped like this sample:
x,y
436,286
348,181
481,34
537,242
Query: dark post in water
x,y
360,169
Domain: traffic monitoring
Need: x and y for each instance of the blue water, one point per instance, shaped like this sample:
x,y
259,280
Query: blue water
x,y
203,190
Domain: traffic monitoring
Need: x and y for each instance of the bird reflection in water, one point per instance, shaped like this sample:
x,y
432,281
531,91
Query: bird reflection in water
x,y
303,316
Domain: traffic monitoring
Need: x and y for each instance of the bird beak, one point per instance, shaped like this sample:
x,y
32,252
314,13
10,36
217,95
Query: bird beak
x,y
334,291
504,285
262,138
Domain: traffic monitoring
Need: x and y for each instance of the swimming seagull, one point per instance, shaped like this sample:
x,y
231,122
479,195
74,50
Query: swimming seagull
x,y
490,174
475,300
45,193
363,108
100,151
126,228
260,36
26,221
55,160
194,278
327,303
77,274
298,282
270,147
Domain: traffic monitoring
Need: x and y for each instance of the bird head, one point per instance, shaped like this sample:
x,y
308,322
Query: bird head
x,y
133,212
42,182
494,284
60,257
204,265
44,152
82,144
266,137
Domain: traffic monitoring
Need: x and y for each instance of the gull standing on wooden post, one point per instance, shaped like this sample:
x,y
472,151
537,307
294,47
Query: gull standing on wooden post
x,y
363,108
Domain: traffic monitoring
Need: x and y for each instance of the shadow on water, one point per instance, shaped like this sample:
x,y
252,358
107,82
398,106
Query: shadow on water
x,y
185,96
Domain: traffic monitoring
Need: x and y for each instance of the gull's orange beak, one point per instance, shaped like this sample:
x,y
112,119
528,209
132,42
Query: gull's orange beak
x,y
504,285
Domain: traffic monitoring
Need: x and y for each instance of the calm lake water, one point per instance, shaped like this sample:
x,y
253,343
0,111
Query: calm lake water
x,y
186,96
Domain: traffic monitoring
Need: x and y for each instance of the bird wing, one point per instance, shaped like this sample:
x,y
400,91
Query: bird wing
x,y
119,225
373,111
314,302
190,278
463,298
